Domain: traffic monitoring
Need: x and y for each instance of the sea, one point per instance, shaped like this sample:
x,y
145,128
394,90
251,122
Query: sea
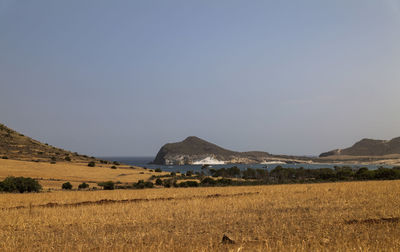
x,y
146,162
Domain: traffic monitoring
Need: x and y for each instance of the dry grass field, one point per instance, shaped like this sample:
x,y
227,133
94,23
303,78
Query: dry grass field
x,y
358,216
51,176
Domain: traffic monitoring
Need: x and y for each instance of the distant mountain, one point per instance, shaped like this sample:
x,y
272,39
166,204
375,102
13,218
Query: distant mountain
x,y
368,147
194,150
14,145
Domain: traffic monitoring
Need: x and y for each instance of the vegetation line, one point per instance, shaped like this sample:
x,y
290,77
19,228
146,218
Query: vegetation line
x,y
110,201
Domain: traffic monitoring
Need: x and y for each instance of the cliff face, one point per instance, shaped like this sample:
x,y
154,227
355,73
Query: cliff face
x,y
194,150
368,147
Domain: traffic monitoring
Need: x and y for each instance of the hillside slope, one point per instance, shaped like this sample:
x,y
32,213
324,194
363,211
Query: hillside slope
x,y
14,145
368,147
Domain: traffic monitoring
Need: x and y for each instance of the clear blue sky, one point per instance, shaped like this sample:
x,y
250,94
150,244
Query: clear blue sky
x,y
124,77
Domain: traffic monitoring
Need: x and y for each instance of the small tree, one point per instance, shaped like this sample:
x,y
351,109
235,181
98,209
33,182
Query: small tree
x,y
108,185
20,184
159,181
68,159
91,164
83,186
66,186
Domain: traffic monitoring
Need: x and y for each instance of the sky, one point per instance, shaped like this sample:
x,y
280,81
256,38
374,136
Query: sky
x,y
122,78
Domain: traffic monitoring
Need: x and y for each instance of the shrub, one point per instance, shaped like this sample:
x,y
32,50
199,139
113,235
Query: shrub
x,y
20,184
91,164
141,185
53,159
192,183
208,181
224,181
68,159
116,163
167,183
66,186
108,185
113,167
159,181
189,173
158,170
83,186
4,157
189,184
183,184
173,174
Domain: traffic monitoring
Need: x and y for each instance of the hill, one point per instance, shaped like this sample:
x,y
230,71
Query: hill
x,y
14,145
194,150
368,147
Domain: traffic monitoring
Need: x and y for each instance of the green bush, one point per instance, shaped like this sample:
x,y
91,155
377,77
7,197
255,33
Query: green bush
x,y
4,157
91,164
113,167
141,184
66,186
20,184
159,181
189,184
167,183
68,159
158,170
108,185
208,181
83,186
116,163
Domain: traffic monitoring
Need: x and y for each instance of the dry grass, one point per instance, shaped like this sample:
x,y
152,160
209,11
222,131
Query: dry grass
x,y
333,216
51,176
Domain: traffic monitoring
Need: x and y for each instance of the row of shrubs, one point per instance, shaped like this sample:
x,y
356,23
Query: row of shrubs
x,y
285,175
68,186
93,164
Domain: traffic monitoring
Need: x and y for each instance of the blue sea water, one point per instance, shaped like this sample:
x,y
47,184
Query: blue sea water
x,y
145,162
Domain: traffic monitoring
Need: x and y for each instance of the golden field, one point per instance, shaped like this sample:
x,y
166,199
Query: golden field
x,y
52,176
358,216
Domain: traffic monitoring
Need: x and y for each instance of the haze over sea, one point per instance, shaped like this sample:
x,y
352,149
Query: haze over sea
x,y
146,162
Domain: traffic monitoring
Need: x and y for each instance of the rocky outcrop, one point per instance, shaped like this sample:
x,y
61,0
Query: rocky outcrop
x,y
368,147
194,150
